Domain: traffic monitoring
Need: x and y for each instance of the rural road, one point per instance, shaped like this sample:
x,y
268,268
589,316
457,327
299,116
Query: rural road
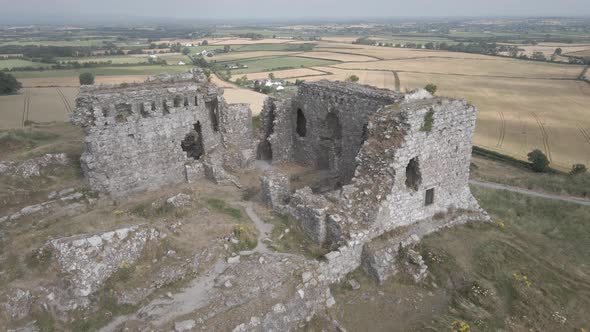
x,y
523,191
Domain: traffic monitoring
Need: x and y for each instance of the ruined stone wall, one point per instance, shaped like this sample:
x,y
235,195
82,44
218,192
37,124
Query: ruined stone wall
x,y
277,129
430,149
141,137
323,126
413,163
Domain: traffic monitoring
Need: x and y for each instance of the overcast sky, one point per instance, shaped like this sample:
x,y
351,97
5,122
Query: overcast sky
x,y
254,9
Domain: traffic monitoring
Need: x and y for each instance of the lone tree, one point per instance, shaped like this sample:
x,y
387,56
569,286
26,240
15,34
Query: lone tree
x,y
204,43
578,169
8,84
539,161
86,79
431,88
352,78
186,51
271,76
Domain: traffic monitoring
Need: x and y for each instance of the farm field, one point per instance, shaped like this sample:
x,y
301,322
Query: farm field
x,y
126,59
490,67
549,48
232,56
381,79
585,53
279,62
11,63
284,74
519,115
392,53
518,111
104,71
235,95
337,56
37,105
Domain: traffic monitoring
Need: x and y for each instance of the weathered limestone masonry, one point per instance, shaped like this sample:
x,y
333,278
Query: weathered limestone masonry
x,y
172,128
323,126
410,157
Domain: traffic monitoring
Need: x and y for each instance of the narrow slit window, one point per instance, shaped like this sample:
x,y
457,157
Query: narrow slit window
x,y
429,199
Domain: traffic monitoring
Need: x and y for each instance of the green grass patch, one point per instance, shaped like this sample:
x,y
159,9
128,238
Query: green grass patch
x,y
148,211
44,321
17,139
276,63
220,206
428,121
12,63
247,236
552,181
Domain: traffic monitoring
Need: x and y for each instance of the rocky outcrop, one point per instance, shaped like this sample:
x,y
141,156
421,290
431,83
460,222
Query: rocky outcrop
x,y
33,167
87,261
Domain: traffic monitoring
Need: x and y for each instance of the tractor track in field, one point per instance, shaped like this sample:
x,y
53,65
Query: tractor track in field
x,y
584,133
544,135
65,100
26,108
502,130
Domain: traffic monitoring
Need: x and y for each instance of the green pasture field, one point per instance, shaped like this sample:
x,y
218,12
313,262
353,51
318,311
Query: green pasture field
x,y
278,63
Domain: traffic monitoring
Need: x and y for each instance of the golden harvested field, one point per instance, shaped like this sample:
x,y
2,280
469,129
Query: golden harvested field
x,y
336,56
380,79
390,53
522,105
549,48
246,41
235,95
519,115
585,53
489,67
38,105
348,40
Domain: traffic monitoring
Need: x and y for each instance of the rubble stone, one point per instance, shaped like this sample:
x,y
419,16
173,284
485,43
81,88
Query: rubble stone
x,y
87,261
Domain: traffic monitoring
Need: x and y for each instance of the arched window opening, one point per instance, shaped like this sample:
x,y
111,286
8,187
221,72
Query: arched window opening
x,y
301,123
413,175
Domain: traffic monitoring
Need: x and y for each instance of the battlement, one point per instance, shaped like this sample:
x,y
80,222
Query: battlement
x,y
173,127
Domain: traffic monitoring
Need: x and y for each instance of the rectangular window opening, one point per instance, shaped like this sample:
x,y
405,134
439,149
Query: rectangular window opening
x,y
429,197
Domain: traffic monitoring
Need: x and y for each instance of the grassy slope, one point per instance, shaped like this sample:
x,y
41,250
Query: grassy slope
x,y
484,169
477,274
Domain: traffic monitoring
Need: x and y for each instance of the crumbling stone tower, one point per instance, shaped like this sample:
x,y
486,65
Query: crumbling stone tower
x,y
394,159
170,129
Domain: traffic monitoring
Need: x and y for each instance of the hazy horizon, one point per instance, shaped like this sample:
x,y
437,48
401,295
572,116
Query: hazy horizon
x,y
75,11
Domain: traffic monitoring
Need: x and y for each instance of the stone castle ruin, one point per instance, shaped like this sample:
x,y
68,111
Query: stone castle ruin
x,y
172,128
380,160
